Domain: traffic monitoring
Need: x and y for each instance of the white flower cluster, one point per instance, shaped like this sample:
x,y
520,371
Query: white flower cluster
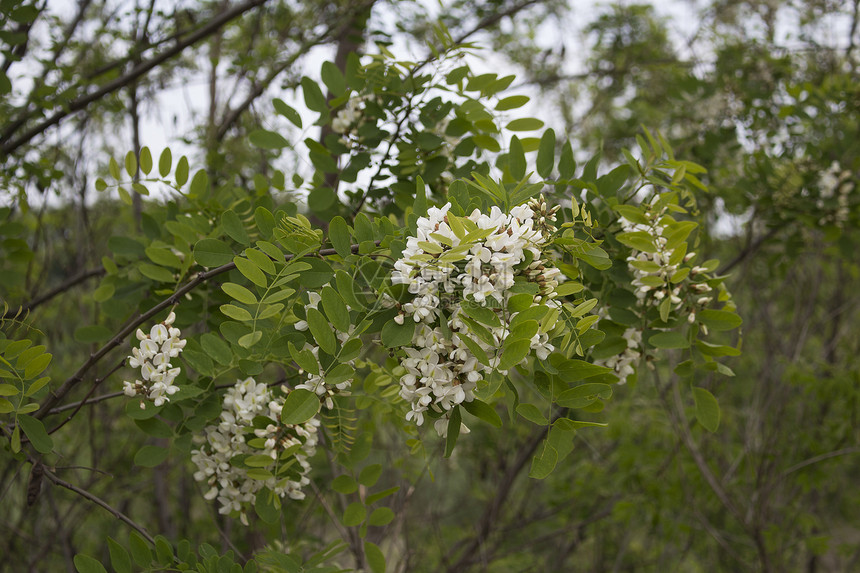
x,y
235,434
646,267
623,363
835,182
348,117
657,264
316,380
153,358
442,371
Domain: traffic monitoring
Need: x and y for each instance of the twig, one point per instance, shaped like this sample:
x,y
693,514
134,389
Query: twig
x,y
8,146
90,393
101,503
43,298
56,395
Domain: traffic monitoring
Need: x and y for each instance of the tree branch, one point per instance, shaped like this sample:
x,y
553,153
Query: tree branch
x,y
43,298
55,396
98,501
10,145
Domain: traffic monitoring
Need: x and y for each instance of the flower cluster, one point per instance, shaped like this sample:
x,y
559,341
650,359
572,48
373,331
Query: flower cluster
x,y
454,267
240,433
623,362
348,117
835,182
655,271
153,358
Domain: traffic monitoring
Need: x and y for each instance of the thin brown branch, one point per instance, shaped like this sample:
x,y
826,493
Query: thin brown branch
x,y
99,502
10,145
55,396
60,289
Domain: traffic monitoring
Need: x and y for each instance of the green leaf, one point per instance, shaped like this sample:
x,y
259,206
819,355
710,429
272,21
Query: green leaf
x,y
395,335
566,164
155,273
288,112
321,331
524,124
718,320
265,222
140,551
335,309
354,514
514,353
212,253
181,171
486,142
583,395
669,340
575,370
544,461
381,516
216,348
86,564
370,475
344,484
154,427
262,260
35,431
239,293
304,358
145,160
119,557
150,456
333,78
266,139
251,271
707,409
199,184
234,228
517,159
165,162
300,406
250,339
546,154
267,506
512,102
382,494
236,313
532,413
339,235
375,558
164,257
130,163
483,411
314,98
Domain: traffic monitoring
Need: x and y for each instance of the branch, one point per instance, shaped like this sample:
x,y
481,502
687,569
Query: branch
x,y
748,250
55,396
98,501
43,298
8,146
494,507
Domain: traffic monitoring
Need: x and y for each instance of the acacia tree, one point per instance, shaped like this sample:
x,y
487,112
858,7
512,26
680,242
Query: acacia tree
x,y
463,271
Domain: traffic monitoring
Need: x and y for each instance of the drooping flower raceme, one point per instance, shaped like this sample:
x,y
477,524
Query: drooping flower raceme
x,y
153,357
463,274
250,425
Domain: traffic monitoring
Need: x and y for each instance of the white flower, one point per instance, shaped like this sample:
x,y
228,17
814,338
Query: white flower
x,y
153,358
